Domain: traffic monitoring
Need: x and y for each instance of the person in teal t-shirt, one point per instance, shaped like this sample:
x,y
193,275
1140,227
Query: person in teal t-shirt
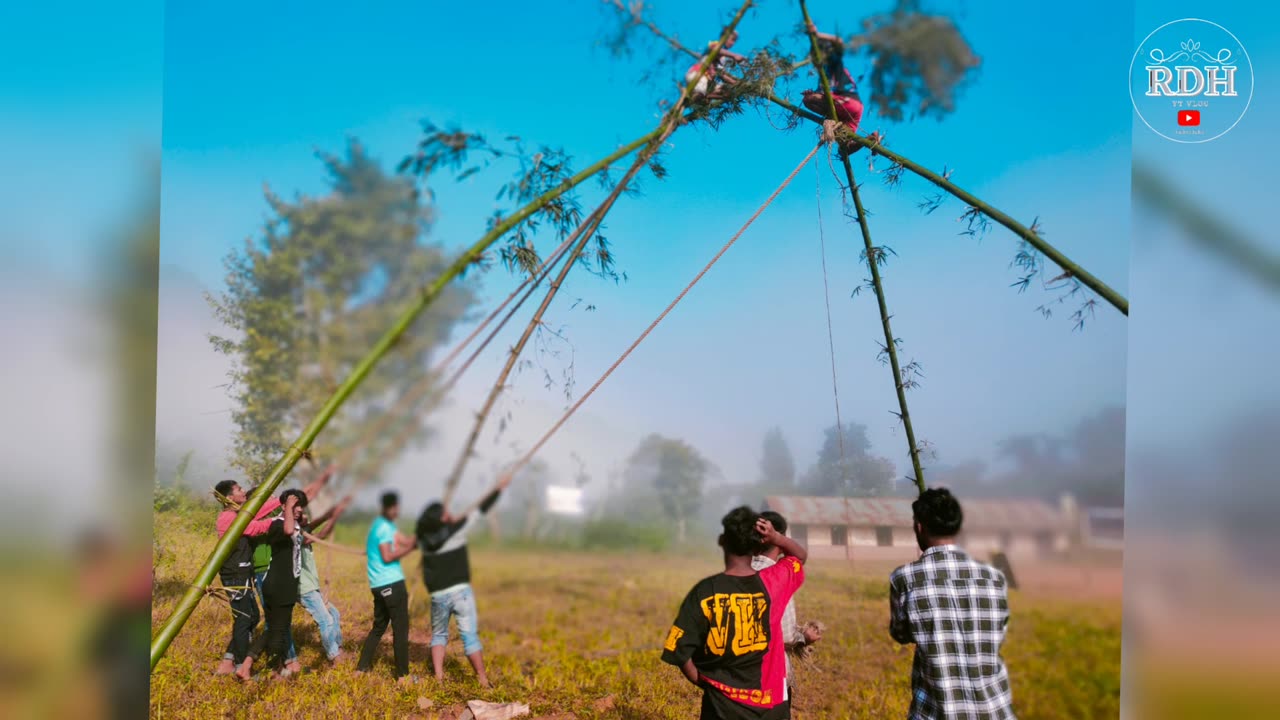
x,y
384,548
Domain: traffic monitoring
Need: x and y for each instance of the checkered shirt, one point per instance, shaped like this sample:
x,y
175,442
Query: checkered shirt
x,y
955,610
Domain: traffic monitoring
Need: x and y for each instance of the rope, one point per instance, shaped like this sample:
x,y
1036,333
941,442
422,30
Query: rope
x,y
826,296
333,546
828,135
528,456
528,285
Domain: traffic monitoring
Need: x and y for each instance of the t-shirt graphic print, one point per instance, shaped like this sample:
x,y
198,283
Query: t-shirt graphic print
x,y
731,627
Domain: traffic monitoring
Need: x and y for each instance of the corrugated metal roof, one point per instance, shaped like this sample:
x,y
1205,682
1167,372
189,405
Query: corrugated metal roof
x,y
896,512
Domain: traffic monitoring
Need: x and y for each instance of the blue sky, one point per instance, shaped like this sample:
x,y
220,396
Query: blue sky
x,y
79,130
82,111
1198,329
251,90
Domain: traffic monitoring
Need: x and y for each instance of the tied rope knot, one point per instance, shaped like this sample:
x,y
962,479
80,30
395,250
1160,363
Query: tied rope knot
x,y
829,131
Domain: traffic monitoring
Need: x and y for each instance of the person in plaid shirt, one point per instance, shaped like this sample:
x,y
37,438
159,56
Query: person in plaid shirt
x,y
955,610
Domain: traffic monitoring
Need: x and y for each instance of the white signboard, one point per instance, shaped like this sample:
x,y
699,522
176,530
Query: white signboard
x,y
564,500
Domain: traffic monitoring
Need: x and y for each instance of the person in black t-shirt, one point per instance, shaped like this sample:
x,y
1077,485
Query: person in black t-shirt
x,y
727,638
280,586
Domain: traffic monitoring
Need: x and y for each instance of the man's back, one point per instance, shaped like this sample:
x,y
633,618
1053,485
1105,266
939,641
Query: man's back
x,y
381,573
955,610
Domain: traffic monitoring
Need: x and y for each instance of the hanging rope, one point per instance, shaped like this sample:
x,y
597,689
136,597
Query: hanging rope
x,y
826,296
528,456
333,545
827,138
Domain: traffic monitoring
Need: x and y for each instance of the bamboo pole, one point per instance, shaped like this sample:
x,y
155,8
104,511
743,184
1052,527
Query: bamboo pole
x,y
872,254
670,123
507,474
402,438
1205,230
423,387
1070,268
301,446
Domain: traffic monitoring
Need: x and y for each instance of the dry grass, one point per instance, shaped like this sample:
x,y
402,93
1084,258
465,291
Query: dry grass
x,y
563,631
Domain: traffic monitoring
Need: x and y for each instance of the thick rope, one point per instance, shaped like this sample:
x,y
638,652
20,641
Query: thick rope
x,y
528,456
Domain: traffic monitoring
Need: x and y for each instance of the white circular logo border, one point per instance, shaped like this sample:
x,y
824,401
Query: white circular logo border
x,y
1134,101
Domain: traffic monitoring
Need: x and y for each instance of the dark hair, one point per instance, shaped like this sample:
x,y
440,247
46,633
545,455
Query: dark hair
x,y
778,522
938,512
302,497
223,487
389,500
431,520
740,536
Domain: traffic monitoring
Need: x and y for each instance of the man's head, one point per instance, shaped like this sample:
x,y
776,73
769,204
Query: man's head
x,y
229,491
739,537
431,520
390,505
937,517
779,523
300,501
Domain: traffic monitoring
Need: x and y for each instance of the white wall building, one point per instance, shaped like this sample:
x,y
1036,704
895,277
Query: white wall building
x,y
834,527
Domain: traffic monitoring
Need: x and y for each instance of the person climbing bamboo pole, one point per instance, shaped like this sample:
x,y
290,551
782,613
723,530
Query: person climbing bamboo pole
x,y
301,447
1070,268
872,257
671,122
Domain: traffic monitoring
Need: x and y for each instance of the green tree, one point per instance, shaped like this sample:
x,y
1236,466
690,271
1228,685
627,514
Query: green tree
x,y
777,465
676,471
860,474
525,500
306,299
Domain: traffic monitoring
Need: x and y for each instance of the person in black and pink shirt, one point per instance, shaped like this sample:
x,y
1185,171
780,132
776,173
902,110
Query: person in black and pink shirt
x,y
280,588
727,638
844,91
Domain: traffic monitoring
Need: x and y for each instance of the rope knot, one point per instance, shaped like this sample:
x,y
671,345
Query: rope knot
x,y
829,131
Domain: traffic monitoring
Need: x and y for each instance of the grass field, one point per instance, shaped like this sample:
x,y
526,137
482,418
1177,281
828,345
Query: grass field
x,y
580,633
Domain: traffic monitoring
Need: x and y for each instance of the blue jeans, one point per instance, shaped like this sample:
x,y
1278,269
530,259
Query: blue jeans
x,y
292,654
326,617
459,602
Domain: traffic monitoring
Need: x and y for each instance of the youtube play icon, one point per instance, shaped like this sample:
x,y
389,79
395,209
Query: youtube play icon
x,y
1189,118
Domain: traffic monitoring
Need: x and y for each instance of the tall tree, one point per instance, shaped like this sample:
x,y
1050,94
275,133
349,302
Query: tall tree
x,y
307,298
861,473
676,471
777,465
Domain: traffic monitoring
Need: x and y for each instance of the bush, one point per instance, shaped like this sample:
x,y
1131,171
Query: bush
x,y
618,534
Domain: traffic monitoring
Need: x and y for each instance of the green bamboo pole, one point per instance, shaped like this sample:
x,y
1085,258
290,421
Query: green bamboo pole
x,y
1069,267
872,261
531,284
1203,229
423,387
301,446
670,123
581,236
560,253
